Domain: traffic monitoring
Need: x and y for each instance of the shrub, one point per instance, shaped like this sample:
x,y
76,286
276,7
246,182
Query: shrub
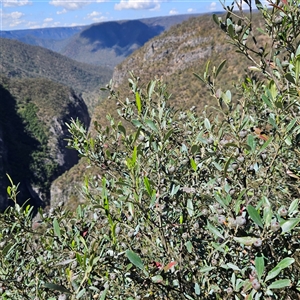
x,y
183,206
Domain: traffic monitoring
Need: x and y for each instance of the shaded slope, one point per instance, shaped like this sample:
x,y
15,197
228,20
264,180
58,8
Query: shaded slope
x,y
33,114
108,43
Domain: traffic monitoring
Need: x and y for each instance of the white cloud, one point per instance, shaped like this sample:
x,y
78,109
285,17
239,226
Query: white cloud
x,y
213,6
138,4
61,12
173,12
16,15
14,3
190,10
12,19
68,5
96,16
93,14
72,5
48,20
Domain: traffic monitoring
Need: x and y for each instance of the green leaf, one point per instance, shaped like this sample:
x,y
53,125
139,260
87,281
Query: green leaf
x,y
103,294
206,69
151,125
138,102
280,266
147,186
279,284
230,30
193,164
297,69
214,230
291,125
267,101
131,208
231,266
293,207
189,246
81,293
227,166
265,145
207,124
56,228
268,214
254,215
194,149
134,156
167,136
220,67
56,287
122,129
259,266
198,77
157,279
251,142
135,259
197,289
8,190
150,88
272,89
6,250
206,269
190,207
216,19
290,78
289,224
136,123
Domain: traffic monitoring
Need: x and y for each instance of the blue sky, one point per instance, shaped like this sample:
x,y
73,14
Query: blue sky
x,y
25,14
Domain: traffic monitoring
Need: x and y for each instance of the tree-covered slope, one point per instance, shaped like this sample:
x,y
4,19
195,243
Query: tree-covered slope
x,y
33,113
21,60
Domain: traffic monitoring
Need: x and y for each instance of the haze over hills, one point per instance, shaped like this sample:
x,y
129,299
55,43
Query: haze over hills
x,y
51,38
109,43
105,43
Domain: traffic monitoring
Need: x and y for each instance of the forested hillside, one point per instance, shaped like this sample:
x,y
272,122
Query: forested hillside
x,y
19,60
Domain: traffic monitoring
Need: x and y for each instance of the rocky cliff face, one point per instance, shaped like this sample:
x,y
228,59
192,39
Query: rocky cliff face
x,y
174,52
32,135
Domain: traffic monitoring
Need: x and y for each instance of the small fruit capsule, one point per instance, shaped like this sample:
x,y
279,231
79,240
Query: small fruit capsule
x,y
243,133
185,235
240,221
196,226
275,225
234,165
257,243
210,141
171,169
282,211
221,219
204,212
241,159
255,284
